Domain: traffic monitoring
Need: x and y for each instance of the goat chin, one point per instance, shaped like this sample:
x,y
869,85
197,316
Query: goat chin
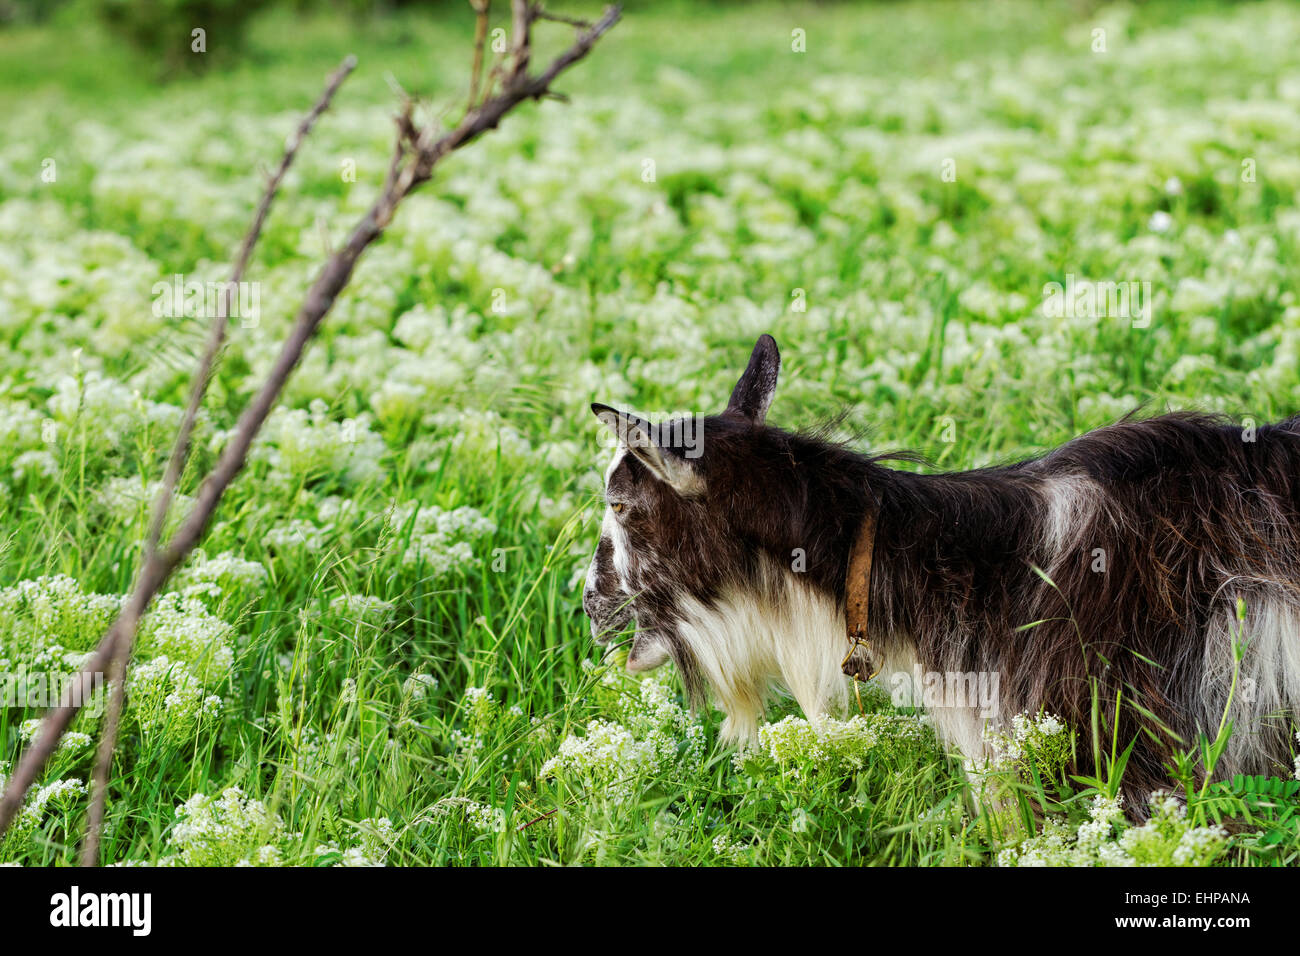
x,y
647,653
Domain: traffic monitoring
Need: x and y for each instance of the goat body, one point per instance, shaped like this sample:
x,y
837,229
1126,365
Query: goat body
x,y
1100,581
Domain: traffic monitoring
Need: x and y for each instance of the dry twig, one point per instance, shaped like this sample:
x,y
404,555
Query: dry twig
x,y
416,153
482,8
180,453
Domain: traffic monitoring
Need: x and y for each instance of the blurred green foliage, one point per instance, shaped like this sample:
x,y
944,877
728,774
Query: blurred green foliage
x,y
182,35
164,30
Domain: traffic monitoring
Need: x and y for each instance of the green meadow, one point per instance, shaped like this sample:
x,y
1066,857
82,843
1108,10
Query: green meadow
x,y
379,656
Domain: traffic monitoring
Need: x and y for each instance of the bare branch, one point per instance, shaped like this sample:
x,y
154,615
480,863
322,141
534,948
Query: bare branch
x,y
407,134
541,14
482,8
180,452
489,115
217,337
413,162
521,21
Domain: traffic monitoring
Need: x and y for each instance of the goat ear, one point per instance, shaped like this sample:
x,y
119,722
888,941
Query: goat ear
x,y
752,396
638,436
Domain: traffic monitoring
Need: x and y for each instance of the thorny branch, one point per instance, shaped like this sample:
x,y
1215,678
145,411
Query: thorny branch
x,y
415,155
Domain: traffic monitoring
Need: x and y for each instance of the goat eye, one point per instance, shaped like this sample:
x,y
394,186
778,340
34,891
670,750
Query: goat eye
x,y
616,507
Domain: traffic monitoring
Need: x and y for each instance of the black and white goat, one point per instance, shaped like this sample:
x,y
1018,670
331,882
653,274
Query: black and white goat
x,y
1105,573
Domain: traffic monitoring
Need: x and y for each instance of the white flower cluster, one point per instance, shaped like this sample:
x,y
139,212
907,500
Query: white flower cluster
x,y
306,444
227,830
1105,839
481,712
483,818
128,499
351,857
297,534
440,541
417,686
480,707
56,797
54,610
609,756
376,838
184,652
72,741
20,437
55,658
183,629
362,609
483,436
653,736
34,466
1043,738
731,851
223,575
233,829
167,697
56,794
798,746
106,412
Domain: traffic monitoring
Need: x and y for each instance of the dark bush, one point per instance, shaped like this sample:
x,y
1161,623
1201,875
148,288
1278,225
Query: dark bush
x,y
182,35
28,11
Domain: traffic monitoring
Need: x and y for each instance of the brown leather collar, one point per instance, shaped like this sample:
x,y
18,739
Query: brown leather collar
x,y
858,662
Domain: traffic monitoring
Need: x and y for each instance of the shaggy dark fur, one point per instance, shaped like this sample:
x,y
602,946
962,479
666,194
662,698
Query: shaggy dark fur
x,y
1144,534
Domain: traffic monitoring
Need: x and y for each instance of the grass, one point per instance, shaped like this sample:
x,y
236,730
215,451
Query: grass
x,y
401,683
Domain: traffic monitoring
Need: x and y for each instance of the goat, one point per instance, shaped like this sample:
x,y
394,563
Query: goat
x,y
1102,578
